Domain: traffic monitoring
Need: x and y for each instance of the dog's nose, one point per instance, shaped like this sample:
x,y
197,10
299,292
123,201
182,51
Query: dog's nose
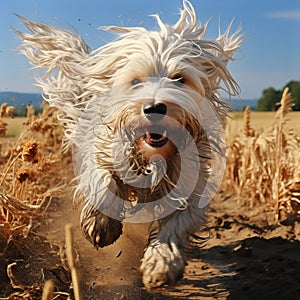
x,y
155,112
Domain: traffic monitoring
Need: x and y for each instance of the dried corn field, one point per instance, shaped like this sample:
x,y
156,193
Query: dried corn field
x,y
29,171
263,166
30,178
253,222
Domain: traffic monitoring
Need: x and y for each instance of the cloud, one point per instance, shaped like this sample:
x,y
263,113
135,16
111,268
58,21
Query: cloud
x,y
285,14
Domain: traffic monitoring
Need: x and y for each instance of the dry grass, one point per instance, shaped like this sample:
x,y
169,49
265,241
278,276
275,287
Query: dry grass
x,y
71,260
30,167
27,169
263,162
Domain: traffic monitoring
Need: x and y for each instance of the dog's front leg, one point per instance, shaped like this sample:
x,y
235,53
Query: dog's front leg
x,y
162,264
163,261
98,228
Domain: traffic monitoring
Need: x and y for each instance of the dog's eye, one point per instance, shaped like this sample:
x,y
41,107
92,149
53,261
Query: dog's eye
x,y
136,81
179,79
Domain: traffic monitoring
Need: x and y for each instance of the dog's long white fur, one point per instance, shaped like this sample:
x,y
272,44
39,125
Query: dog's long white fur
x,y
78,79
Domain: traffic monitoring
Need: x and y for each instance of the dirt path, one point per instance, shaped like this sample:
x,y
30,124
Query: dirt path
x,y
247,257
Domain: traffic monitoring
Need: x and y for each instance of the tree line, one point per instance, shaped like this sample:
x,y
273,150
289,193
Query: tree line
x,y
271,96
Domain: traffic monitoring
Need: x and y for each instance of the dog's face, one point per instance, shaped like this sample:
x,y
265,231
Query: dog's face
x,y
155,115
159,86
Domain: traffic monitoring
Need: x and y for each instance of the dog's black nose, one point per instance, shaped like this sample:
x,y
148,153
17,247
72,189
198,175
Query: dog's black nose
x,y
155,112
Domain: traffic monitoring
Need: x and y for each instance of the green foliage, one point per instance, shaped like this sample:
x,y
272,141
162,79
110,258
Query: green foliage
x,y
270,97
20,111
294,87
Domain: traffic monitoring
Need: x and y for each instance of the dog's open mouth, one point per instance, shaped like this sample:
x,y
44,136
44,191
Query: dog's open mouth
x,y
156,140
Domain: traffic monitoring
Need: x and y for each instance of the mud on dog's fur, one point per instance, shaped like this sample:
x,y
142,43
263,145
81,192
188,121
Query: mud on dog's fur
x,y
142,114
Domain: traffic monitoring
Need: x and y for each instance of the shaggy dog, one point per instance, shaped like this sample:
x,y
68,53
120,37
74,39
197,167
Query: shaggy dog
x,y
144,117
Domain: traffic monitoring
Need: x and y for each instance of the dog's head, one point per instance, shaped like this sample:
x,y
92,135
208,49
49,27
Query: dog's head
x,y
146,95
148,66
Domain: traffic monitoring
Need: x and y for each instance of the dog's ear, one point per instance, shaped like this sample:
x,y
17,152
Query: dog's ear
x,y
188,27
215,53
51,48
188,23
230,42
59,54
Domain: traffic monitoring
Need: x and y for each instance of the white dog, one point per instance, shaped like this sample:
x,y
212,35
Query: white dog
x,y
144,116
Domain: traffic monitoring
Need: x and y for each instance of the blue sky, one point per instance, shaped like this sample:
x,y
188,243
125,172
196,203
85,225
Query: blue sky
x,y
269,57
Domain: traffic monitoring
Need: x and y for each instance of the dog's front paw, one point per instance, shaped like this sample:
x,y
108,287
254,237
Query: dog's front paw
x,y
99,229
162,264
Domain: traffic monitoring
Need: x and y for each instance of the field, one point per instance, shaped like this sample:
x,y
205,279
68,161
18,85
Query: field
x,y
262,120
14,126
254,245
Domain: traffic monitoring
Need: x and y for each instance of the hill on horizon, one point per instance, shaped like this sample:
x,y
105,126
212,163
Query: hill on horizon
x,y
240,104
19,99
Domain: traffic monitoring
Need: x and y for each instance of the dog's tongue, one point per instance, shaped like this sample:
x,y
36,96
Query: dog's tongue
x,y
155,139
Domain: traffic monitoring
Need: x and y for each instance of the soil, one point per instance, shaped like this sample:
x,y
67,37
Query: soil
x,y
248,256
